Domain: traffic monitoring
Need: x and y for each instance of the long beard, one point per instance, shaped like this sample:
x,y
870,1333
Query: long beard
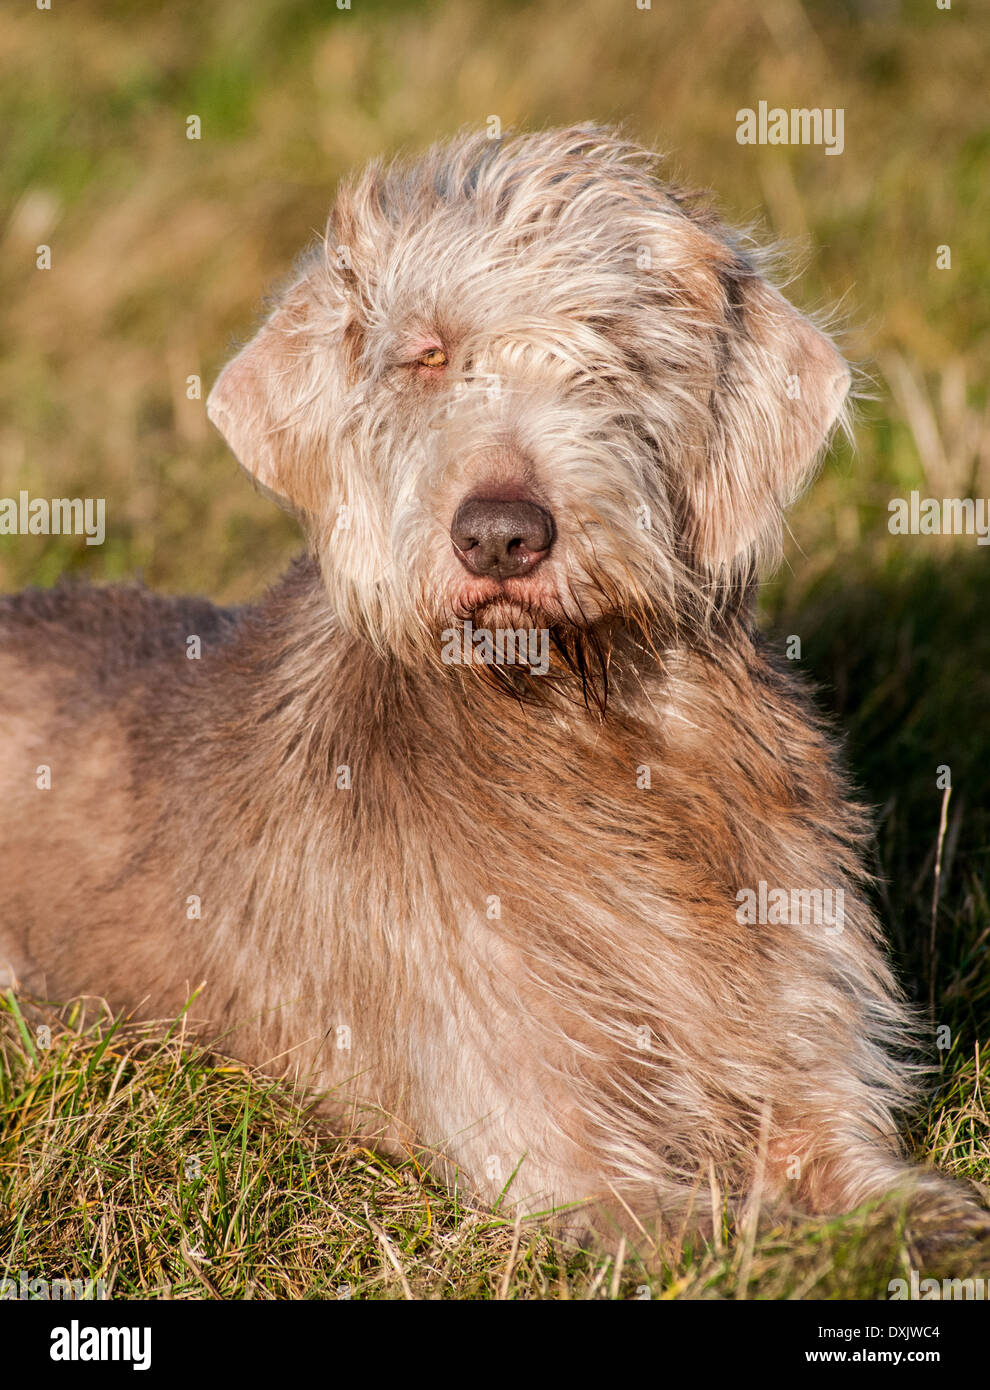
x,y
579,657
584,634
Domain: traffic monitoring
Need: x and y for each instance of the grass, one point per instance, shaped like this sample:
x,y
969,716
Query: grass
x,y
162,248
131,1156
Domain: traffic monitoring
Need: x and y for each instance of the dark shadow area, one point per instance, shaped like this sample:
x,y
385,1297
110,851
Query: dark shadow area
x,y
901,658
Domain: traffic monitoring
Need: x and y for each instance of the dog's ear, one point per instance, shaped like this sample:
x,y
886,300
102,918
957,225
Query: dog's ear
x,y
271,402
780,390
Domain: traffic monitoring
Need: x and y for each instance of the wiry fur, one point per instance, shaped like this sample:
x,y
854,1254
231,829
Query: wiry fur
x,y
537,957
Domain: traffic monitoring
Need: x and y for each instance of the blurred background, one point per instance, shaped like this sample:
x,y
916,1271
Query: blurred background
x,y
163,247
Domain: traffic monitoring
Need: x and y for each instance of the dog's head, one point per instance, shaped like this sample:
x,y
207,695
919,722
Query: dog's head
x,y
523,383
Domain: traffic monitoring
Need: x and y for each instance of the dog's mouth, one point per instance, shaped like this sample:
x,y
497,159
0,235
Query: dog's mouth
x,y
519,598
517,636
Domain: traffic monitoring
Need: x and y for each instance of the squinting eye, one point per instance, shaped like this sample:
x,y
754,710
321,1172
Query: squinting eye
x,y
432,357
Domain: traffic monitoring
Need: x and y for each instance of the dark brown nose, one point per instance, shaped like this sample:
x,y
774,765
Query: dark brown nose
x,y
501,539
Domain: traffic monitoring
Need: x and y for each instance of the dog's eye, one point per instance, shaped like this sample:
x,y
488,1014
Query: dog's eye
x,y
432,357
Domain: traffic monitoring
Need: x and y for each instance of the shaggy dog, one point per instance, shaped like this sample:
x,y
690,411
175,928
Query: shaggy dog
x,y
494,821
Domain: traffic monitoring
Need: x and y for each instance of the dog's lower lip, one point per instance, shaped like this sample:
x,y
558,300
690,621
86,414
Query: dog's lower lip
x,y
509,595
517,591
514,586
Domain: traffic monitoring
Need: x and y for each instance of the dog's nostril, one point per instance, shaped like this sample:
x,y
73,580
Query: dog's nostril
x,y
499,538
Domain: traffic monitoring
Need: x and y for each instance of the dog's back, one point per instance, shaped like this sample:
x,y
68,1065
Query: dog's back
x,y
86,674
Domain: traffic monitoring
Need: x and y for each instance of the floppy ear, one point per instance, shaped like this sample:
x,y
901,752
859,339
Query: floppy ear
x,y
780,390
272,402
